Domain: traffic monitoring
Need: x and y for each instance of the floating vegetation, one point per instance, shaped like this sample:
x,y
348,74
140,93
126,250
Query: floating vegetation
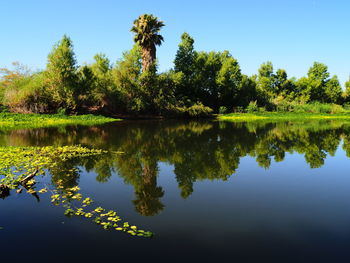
x,y
281,116
76,205
18,120
20,166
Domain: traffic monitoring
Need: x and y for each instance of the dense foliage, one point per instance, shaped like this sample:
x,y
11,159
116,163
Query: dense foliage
x,y
200,82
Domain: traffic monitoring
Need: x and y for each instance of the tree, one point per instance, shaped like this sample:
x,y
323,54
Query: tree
x,y
346,94
283,85
347,85
228,80
103,81
146,29
61,74
126,76
303,89
247,90
333,90
266,70
265,83
207,67
185,69
318,77
318,71
185,56
102,64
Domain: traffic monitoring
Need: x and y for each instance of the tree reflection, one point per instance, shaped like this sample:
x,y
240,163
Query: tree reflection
x,y
147,193
197,150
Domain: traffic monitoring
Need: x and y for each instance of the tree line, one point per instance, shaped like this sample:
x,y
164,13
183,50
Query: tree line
x,y
199,84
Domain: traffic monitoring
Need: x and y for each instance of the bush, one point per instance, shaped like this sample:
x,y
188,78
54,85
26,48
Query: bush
x,y
335,109
238,109
262,109
312,108
194,111
61,111
346,106
316,107
222,110
28,94
252,107
199,110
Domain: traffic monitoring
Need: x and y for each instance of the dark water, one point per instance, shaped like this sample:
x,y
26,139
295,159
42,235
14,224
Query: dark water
x,y
210,191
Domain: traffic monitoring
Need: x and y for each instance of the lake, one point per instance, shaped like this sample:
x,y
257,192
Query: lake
x,y
208,190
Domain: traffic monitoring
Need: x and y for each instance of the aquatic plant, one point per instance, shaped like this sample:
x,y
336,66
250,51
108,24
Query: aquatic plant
x,y
278,116
16,120
77,205
20,166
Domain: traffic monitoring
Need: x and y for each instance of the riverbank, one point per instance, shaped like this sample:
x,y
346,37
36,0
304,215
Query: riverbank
x,y
9,120
278,116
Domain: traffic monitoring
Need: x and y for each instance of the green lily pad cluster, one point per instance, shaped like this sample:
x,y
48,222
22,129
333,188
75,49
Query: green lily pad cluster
x,y
82,207
17,163
20,166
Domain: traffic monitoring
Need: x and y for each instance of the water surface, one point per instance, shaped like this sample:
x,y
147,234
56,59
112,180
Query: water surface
x,y
243,192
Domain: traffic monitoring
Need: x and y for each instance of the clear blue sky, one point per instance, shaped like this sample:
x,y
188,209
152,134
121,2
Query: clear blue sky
x,y
292,34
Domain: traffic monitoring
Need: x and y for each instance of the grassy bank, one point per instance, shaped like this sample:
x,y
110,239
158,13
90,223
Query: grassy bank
x,y
278,116
9,120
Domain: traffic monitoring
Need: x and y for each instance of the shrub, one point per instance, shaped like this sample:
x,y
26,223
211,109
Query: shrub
x,y
252,107
28,94
222,110
317,107
335,108
194,111
199,110
261,109
61,111
239,109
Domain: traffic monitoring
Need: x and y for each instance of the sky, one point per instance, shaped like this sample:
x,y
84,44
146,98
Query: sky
x,y
292,34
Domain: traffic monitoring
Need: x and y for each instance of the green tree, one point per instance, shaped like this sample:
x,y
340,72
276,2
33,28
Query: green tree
x,y
347,85
185,68
303,90
228,80
102,64
333,90
247,90
86,85
346,94
185,56
146,29
104,90
217,79
266,70
318,71
265,83
284,87
61,74
126,75
318,77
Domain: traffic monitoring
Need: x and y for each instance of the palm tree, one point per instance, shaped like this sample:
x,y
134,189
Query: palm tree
x,y
146,29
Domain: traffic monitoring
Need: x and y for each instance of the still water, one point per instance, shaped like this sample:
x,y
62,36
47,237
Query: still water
x,y
229,192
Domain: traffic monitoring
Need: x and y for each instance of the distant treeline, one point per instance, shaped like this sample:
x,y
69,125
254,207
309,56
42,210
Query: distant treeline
x,y
200,82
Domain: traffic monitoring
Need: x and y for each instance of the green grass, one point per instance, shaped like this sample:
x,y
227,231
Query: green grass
x,y
16,120
278,116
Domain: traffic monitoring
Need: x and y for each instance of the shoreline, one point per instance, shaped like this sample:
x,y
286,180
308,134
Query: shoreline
x,y
281,116
34,120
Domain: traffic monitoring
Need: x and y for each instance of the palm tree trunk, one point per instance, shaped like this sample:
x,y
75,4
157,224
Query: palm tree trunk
x,y
148,57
